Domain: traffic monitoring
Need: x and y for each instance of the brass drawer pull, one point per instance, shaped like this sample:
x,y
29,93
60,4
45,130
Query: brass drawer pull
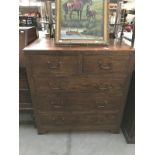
x,y
52,87
104,66
100,106
58,106
105,88
51,65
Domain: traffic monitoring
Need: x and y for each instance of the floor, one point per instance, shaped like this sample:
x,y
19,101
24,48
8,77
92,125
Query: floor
x,y
83,143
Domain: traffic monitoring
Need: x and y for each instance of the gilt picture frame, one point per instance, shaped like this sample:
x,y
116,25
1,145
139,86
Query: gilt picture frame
x,y
81,22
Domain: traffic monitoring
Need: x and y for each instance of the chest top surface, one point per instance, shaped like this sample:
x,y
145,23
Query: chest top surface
x,y
47,46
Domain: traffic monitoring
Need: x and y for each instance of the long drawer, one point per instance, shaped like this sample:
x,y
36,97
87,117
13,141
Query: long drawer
x,y
78,102
77,118
79,84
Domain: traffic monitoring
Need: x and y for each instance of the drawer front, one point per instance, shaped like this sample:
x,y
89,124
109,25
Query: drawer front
x,y
79,84
78,102
24,96
104,64
76,119
47,65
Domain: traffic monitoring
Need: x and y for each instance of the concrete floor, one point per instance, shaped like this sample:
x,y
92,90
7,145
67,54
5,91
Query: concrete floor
x,y
83,143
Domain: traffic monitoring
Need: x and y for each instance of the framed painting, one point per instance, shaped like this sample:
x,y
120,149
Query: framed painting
x,y
81,22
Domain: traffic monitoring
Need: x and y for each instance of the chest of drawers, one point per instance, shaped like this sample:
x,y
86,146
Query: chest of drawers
x,y
78,88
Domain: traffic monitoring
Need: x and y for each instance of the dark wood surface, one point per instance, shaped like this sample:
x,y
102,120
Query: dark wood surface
x,y
48,46
78,87
128,123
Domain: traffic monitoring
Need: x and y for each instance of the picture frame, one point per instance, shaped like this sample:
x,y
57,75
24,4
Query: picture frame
x,y
81,22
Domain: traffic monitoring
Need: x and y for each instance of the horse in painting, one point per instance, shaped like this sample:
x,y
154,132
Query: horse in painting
x,y
75,5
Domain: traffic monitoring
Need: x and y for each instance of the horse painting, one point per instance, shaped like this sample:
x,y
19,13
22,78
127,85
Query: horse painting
x,y
75,5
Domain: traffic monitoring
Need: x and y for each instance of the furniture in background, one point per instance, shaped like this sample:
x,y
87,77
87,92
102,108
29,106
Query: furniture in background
x,y
27,21
78,87
128,123
26,36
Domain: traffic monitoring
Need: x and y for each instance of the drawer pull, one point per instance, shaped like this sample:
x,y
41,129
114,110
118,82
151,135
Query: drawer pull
x,y
58,106
100,106
104,66
51,65
54,88
105,88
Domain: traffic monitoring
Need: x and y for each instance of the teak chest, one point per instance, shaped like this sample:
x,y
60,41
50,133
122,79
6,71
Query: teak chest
x,y
78,88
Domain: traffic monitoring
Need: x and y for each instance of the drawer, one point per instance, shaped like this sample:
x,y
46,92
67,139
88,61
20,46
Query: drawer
x,y
95,102
79,84
78,102
49,102
76,119
24,96
47,65
104,64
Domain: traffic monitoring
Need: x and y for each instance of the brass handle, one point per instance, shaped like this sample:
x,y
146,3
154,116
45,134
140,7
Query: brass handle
x,y
53,88
51,65
104,66
103,88
61,119
100,106
58,106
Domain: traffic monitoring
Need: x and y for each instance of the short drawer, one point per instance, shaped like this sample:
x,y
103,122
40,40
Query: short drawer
x,y
78,102
104,64
79,84
47,65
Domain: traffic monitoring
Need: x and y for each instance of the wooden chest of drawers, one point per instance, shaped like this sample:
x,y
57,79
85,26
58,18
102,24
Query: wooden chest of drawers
x,y
78,88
